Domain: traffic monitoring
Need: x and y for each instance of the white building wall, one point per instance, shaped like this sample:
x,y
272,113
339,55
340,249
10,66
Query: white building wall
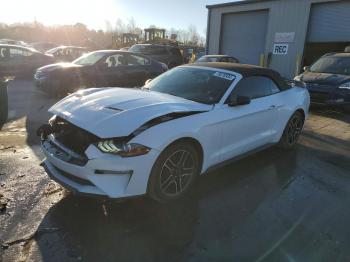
x,y
284,16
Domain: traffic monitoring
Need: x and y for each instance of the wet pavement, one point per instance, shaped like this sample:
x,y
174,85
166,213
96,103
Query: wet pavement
x,y
272,206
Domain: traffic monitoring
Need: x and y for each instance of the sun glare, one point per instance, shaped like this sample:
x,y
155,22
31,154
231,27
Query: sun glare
x,y
92,13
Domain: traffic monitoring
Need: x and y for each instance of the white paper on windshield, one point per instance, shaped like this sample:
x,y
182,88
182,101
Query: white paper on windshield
x,y
224,76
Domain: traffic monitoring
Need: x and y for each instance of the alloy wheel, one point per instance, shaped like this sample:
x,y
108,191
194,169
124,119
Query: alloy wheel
x,y
177,173
294,129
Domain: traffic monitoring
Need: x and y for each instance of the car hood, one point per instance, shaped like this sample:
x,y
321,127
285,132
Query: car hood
x,y
58,66
118,112
324,78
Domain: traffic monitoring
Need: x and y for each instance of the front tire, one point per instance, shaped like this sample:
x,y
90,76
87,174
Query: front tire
x,y
292,131
174,172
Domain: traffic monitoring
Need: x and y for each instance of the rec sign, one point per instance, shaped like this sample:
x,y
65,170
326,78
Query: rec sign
x,y
280,49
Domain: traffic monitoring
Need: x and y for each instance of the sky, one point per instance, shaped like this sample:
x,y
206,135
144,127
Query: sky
x,y
178,14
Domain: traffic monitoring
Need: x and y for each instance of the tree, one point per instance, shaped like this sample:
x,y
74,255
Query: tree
x,y
119,27
193,35
108,26
131,26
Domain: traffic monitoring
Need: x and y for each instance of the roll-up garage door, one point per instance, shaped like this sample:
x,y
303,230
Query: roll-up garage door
x,y
329,22
243,35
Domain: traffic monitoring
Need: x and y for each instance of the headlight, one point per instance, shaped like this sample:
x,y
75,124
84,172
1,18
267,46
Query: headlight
x,y
345,86
123,149
52,120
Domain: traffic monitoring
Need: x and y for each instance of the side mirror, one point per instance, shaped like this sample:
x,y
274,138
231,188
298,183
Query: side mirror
x,y
148,81
306,68
240,101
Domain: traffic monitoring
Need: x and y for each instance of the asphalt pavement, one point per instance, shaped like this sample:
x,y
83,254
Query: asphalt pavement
x,y
272,206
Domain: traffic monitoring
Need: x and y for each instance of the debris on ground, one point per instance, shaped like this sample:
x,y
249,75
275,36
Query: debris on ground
x,y
52,188
3,203
25,157
2,173
21,175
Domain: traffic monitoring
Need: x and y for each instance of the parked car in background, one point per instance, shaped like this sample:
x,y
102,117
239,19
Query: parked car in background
x,y
67,53
21,61
328,80
217,58
169,55
199,55
13,42
43,46
106,68
157,140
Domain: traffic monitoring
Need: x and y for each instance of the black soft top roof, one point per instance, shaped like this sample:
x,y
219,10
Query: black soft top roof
x,y
343,54
248,70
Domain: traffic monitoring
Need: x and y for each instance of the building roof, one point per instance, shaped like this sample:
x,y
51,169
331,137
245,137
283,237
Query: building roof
x,y
241,2
247,70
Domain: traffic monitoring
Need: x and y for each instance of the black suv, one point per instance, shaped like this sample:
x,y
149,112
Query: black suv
x,y
328,80
169,55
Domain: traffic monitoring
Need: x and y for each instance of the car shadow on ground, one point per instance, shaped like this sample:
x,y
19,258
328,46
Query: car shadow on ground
x,y
143,230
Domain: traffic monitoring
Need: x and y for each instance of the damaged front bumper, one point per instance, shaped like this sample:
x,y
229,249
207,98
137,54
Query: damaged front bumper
x,y
97,174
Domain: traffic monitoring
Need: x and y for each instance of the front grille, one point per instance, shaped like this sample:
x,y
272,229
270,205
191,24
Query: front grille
x,y
319,93
71,136
63,155
319,97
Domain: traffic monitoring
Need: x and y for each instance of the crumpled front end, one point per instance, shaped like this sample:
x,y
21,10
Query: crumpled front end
x,y
74,161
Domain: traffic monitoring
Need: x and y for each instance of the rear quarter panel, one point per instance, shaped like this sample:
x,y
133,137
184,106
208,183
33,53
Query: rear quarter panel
x,y
291,100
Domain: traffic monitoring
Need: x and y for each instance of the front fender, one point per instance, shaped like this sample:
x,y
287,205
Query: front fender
x,y
200,127
162,135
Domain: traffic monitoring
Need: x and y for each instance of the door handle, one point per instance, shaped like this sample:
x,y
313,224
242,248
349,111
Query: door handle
x,y
275,107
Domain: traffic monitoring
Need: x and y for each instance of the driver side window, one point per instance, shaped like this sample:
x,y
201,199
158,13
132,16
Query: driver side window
x,y
254,87
116,60
14,52
135,60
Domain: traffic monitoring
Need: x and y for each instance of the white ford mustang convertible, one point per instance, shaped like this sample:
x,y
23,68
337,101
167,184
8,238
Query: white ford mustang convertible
x,y
120,143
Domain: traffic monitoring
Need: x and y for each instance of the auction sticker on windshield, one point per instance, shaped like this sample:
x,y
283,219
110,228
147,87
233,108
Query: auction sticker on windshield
x,y
225,76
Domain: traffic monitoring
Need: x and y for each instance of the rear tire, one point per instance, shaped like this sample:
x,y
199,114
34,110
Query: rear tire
x,y
174,172
292,131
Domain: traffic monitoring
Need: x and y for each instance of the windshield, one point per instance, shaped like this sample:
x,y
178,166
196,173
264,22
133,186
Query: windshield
x,y
89,59
332,65
136,48
51,51
195,84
